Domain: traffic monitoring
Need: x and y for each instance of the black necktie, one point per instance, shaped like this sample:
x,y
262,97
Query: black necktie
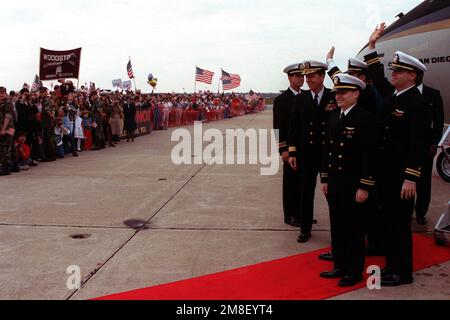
x,y
316,100
342,118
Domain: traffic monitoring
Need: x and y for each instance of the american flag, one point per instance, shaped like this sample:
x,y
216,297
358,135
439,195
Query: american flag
x,y
37,83
230,81
130,70
203,75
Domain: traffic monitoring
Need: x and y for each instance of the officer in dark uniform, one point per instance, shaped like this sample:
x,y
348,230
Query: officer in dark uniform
x,y
306,136
371,100
347,177
282,106
403,148
436,112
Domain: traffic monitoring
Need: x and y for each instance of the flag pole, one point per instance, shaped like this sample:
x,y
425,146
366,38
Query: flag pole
x,y
79,67
134,78
218,86
195,80
220,80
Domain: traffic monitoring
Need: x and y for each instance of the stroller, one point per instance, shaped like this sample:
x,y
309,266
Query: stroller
x,y
442,228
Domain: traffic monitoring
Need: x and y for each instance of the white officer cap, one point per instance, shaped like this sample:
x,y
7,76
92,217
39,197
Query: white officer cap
x,y
356,65
344,82
403,61
293,69
312,66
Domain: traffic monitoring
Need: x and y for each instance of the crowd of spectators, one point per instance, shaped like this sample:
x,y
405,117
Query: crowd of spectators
x,y
51,124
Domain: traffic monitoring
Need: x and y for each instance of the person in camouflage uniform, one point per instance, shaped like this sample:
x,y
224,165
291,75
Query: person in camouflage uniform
x,y
6,132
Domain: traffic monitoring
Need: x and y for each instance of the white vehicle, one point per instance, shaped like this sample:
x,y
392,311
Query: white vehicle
x,y
443,160
424,32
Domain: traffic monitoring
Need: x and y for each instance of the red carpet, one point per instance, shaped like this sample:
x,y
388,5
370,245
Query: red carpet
x,y
291,278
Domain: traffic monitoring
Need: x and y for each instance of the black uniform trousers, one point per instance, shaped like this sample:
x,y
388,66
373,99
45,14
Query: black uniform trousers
x,y
307,187
291,201
373,222
281,114
397,231
347,232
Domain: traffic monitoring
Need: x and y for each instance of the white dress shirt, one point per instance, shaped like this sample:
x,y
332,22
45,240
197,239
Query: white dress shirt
x,y
348,110
397,93
420,88
295,92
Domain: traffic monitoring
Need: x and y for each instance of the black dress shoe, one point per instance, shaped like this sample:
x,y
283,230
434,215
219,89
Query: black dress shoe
x,y
314,221
14,169
304,237
394,280
350,280
75,154
326,256
333,274
421,221
292,222
4,171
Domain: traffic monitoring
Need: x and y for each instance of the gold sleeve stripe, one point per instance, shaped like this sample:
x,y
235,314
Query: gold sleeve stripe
x,y
292,149
282,144
374,60
413,174
367,180
336,73
412,170
324,175
368,183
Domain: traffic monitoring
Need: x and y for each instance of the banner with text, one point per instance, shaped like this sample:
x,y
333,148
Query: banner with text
x,y
59,64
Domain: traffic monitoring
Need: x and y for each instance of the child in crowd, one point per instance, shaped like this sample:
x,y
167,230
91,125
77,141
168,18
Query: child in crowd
x,y
87,130
23,152
60,131
78,133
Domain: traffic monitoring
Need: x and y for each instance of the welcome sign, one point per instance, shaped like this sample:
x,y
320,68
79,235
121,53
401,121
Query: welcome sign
x,y
56,65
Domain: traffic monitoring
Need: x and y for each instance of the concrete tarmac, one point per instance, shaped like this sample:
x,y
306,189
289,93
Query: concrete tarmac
x,y
130,218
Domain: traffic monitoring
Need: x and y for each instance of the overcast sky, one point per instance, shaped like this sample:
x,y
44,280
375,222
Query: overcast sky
x,y
255,38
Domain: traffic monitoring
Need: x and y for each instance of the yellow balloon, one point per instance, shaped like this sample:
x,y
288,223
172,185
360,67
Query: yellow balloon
x,y
153,83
